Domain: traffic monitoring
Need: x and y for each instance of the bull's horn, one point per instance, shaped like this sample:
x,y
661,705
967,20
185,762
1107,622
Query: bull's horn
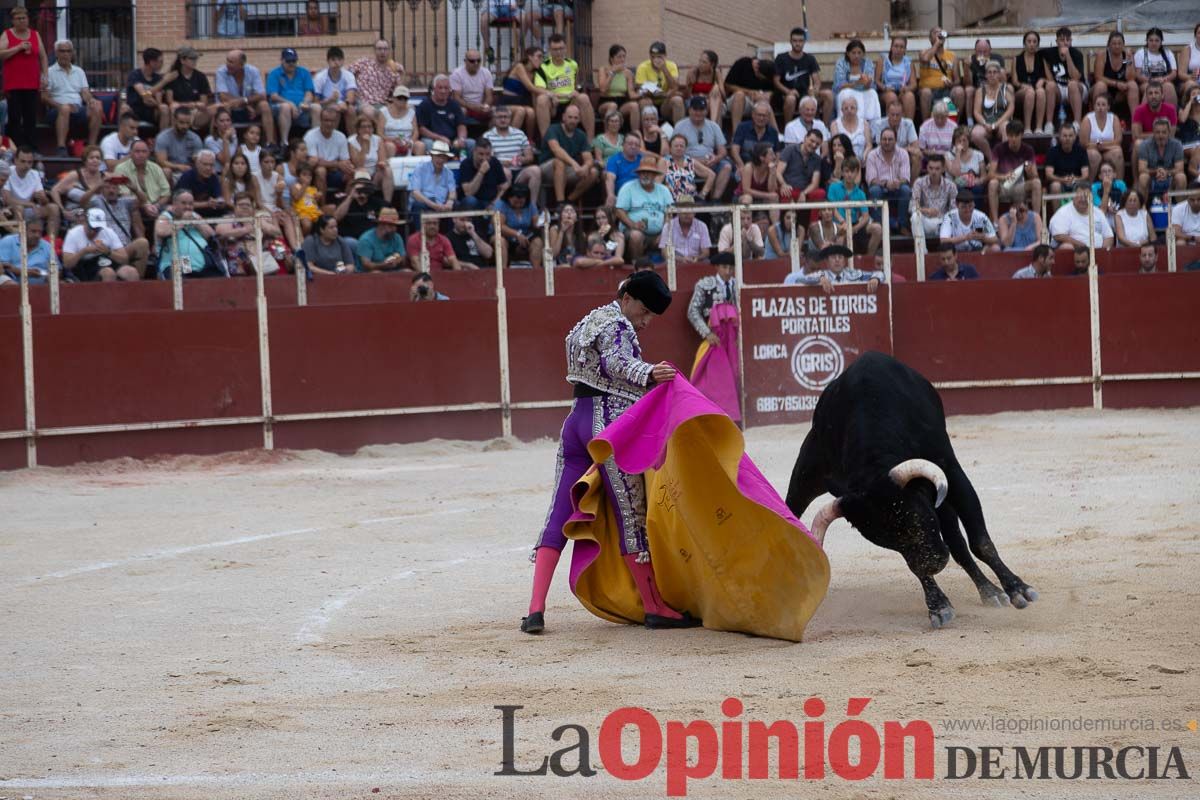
x,y
905,471
822,520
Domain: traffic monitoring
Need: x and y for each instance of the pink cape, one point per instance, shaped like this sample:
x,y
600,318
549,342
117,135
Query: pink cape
x,y
716,369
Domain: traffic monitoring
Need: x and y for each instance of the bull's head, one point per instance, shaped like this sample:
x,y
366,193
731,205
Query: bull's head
x,y
895,508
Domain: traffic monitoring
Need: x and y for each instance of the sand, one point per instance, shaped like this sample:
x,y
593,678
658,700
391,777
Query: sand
x,y
306,625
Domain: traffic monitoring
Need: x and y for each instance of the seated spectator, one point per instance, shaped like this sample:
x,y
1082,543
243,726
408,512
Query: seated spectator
x,y
966,166
862,231
832,270
749,240
850,123
753,132
92,252
888,178
655,137
618,90
369,152
188,87
704,80
518,90
306,201
748,81
382,248
994,107
177,146
1160,162
377,76
1067,162
122,217
399,122
237,179
906,135
144,95
336,89
950,269
314,22
760,184
1147,257
202,181
854,76
1133,226
896,81
422,289
236,240
37,259
1070,225
974,77
1108,192
68,97
116,146
608,142
429,250
566,242
621,167
1111,77
799,171
191,239
25,194
933,197
329,153
241,90
687,235
1020,227
511,148
1149,112
597,255
147,181
1012,172
441,118
522,237
1043,262
641,208
778,241
73,192
432,187
822,232
1185,221
472,86
658,84
325,252
1080,261
608,229
566,159
229,18
1064,65
1101,135
472,250
271,192
706,144
937,131
797,76
967,229
560,78
222,139
684,175
1154,62
839,150
360,209
481,178
937,78
290,93
805,121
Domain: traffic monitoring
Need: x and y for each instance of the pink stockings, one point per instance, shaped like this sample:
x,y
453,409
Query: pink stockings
x,y
543,573
643,575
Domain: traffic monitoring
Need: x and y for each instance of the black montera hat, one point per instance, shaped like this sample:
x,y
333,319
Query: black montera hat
x,y
650,289
835,250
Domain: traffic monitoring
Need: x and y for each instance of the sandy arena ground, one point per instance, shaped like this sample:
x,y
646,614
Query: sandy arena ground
x,y
306,625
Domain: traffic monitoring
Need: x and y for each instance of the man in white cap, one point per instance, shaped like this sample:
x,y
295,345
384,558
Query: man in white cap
x,y
92,252
432,186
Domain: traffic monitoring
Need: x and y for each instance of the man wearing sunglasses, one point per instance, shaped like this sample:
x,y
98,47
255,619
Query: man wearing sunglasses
x,y
472,86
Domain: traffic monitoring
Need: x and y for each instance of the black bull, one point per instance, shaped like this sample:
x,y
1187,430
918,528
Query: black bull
x,y
878,444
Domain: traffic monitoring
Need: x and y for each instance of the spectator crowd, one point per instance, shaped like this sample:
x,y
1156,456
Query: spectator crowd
x,y
623,166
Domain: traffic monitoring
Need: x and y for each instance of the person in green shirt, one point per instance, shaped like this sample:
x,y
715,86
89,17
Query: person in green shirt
x,y
147,181
567,159
560,77
382,248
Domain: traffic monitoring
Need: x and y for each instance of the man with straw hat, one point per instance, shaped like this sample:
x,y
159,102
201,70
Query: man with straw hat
x,y
642,207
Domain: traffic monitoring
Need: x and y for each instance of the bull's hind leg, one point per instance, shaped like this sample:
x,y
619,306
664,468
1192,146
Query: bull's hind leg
x,y
989,593
966,503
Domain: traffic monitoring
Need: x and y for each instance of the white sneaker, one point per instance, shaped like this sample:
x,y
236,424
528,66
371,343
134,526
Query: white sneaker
x,y
1048,129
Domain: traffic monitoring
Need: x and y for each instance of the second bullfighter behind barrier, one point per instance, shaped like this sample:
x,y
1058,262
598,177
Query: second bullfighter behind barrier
x,y
878,444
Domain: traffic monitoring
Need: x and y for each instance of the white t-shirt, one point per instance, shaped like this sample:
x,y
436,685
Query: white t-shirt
x,y
399,127
24,188
796,130
372,151
335,148
77,239
325,88
1187,220
65,88
252,157
1070,222
112,149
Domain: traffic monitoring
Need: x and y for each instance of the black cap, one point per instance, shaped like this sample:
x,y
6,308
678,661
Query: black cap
x,y
650,288
658,49
835,250
699,101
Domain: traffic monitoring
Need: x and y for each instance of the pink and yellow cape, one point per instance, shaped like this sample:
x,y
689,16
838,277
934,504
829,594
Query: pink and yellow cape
x,y
723,544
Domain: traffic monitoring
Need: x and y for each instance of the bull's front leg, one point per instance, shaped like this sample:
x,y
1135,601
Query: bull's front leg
x,y
926,559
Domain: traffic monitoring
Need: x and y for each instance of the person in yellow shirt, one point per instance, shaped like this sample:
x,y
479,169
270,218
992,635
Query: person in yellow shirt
x,y
560,78
663,74
938,77
305,201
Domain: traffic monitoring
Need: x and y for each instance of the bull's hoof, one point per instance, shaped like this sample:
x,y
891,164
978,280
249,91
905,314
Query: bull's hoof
x,y
990,595
939,617
1022,595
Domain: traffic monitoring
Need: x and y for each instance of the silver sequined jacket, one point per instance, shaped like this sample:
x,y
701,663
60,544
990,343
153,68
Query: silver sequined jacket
x,y
603,352
709,291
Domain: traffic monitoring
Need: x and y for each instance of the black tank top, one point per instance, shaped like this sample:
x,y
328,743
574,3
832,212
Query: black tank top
x,y
1027,76
1114,74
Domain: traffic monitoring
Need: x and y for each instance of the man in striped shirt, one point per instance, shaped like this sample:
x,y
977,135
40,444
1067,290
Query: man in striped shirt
x,y
510,146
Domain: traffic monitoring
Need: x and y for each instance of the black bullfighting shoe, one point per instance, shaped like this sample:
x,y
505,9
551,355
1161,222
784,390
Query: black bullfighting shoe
x,y
534,623
659,622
